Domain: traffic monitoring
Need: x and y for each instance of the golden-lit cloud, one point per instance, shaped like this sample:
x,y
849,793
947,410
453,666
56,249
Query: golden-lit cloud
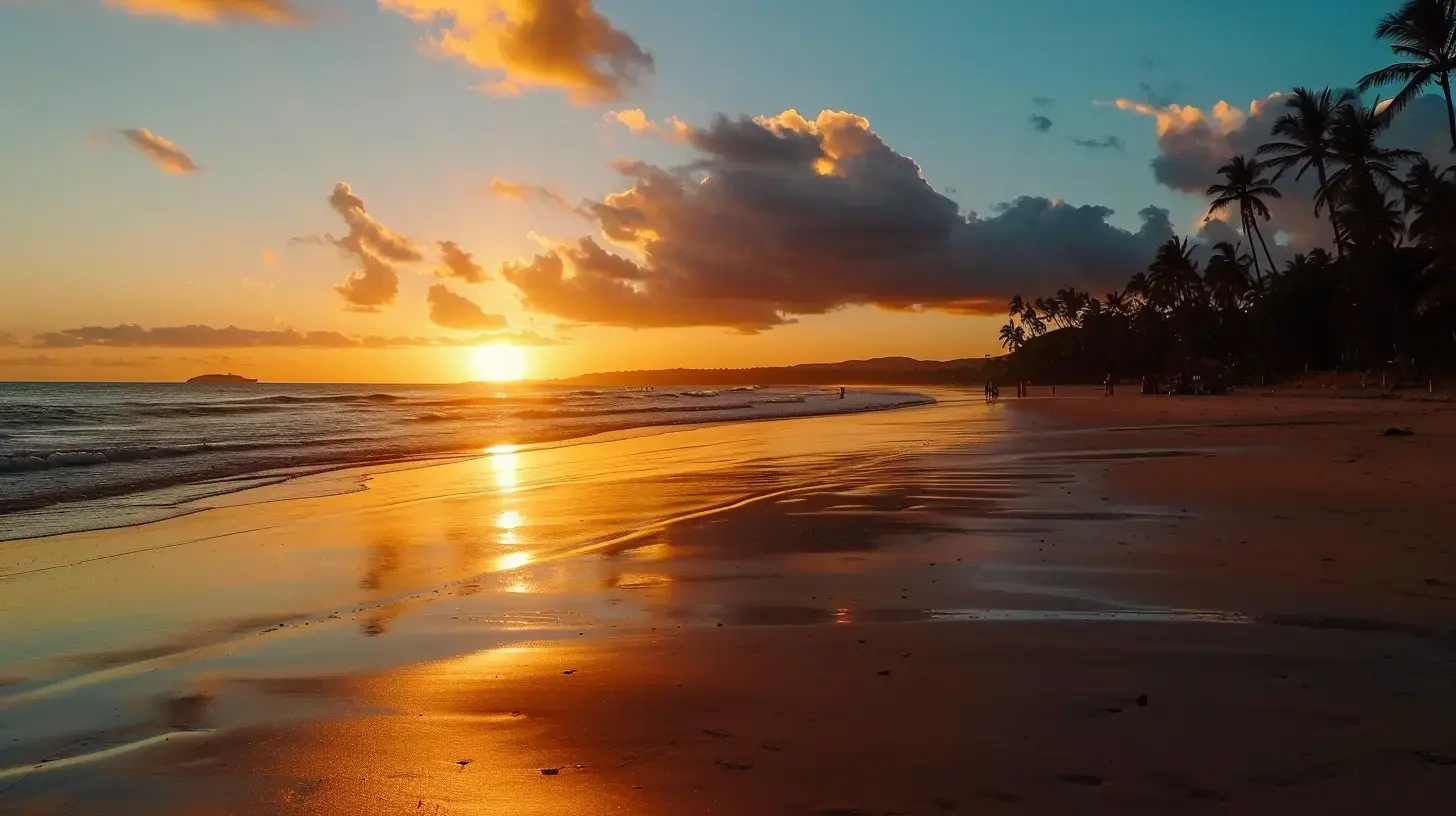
x,y
163,152
270,12
781,216
515,191
8,339
34,360
564,44
375,283
459,264
196,336
451,311
671,129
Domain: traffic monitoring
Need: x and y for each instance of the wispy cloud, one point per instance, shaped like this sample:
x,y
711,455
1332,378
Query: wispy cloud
x,y
8,339
451,311
197,336
1040,123
269,12
671,129
563,44
501,188
163,152
34,360
1103,143
1042,101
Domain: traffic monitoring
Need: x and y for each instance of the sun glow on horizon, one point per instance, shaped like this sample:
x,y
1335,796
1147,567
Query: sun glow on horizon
x,y
499,363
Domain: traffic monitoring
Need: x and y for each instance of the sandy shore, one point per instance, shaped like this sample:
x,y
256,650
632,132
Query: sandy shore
x,y
1069,605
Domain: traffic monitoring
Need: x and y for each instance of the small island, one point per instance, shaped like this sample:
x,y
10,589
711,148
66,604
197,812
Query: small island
x,y
223,379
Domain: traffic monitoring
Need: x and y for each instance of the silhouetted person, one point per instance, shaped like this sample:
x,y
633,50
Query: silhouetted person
x,y
1107,386
841,392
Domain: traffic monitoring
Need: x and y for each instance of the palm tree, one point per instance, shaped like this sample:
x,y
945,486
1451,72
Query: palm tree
x,y
1115,302
1172,276
1137,286
1015,307
1245,185
1012,336
1423,32
1363,170
1319,258
1305,127
1227,276
1423,183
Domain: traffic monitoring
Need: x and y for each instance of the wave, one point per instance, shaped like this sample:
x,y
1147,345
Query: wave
x,y
46,460
293,399
708,393
568,413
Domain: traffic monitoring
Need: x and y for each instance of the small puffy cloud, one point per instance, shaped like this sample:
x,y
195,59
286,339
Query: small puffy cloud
x,y
500,188
451,311
459,264
270,12
1104,143
563,44
375,283
671,129
163,152
781,216
1042,101
1040,123
133,336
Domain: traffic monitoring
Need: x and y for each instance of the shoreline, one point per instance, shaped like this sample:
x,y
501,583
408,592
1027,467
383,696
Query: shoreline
x,y
365,465
773,655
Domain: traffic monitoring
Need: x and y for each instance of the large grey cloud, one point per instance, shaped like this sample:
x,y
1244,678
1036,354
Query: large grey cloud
x,y
198,336
1194,143
782,216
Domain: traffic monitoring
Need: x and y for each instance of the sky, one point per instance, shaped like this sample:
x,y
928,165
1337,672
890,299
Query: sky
x,y
371,190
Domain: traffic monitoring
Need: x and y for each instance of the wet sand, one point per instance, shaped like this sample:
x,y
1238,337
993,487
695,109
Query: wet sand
x,y
1043,606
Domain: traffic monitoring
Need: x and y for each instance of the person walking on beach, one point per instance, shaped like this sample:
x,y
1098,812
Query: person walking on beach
x,y
1107,386
841,392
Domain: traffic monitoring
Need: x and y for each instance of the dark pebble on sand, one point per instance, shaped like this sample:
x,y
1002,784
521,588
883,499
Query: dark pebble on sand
x,y
550,771
1142,699
883,672
1435,582
569,671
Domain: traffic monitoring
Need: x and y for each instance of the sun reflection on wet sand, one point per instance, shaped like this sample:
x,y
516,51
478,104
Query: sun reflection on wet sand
x,y
509,520
513,560
504,461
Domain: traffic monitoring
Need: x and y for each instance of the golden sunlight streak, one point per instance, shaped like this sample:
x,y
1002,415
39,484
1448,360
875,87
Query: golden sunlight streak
x,y
509,520
514,560
500,363
504,461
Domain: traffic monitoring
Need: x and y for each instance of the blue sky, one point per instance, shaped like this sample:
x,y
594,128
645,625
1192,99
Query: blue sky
x,y
91,233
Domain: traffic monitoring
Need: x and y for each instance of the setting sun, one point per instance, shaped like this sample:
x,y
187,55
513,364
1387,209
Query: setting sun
x,y
500,363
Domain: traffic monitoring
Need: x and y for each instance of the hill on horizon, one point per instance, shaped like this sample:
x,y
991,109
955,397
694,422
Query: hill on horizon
x,y
873,371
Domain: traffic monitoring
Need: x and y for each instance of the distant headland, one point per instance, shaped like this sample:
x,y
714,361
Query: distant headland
x,y
878,371
225,379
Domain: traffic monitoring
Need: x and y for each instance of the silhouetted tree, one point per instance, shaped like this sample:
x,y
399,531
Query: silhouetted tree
x,y
1423,33
1245,185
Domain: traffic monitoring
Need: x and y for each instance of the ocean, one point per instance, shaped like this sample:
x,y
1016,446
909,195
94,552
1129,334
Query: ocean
x,y
76,456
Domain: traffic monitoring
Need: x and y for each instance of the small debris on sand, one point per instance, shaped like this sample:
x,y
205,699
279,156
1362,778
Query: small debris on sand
x,y
463,762
883,672
569,671
734,766
1088,780
551,771
1398,432
1142,699
717,732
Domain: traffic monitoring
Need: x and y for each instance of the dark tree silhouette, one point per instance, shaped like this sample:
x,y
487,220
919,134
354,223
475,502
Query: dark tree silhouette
x,y
1305,128
1423,33
1245,185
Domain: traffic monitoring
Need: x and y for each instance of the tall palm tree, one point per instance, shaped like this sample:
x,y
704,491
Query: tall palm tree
x,y
1423,182
1115,302
1305,127
1363,170
1423,32
1227,277
1173,275
1245,185
1015,307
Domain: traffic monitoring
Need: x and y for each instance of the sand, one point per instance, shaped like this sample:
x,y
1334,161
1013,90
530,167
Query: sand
x,y
1054,605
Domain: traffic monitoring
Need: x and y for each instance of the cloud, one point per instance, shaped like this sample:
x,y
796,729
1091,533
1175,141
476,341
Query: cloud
x,y
783,216
500,188
1194,143
375,283
1040,123
163,152
1042,101
8,339
671,129
1160,98
1104,143
195,336
452,311
270,12
459,264
563,44
34,360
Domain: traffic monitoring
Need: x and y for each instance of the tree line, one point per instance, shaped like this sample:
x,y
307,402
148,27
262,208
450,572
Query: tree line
x,y
1384,294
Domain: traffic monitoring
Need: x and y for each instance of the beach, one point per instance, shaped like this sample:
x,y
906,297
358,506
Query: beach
x,y
1070,604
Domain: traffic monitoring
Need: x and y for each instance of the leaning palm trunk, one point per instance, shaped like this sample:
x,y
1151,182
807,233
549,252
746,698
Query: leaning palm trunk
x,y
1445,82
1319,169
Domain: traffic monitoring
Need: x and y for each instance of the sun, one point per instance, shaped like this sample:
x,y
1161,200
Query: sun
x,y
500,363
